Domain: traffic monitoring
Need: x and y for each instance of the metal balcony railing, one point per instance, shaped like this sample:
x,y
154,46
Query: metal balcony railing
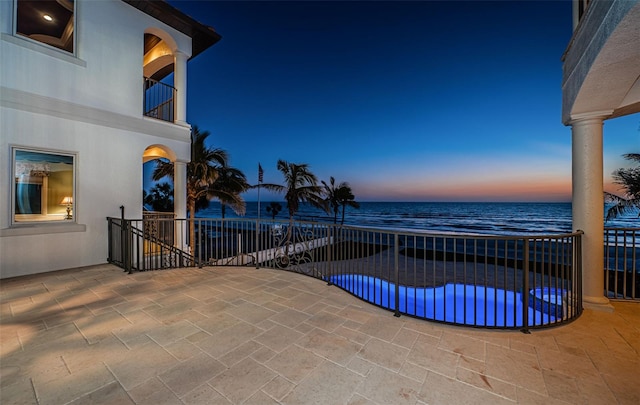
x,y
500,282
622,263
147,244
159,100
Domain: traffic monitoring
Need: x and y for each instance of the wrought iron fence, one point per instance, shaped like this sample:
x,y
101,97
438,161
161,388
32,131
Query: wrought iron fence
x,y
159,100
517,282
622,267
140,245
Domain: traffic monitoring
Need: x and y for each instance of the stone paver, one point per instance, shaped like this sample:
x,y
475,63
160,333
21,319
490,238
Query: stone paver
x,y
236,335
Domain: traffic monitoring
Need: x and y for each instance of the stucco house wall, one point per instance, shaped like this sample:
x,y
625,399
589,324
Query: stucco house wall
x,y
90,104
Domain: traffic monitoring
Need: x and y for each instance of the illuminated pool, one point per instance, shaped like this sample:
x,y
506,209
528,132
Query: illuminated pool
x,y
457,303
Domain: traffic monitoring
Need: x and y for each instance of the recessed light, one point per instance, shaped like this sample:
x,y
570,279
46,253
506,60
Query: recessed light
x,y
47,17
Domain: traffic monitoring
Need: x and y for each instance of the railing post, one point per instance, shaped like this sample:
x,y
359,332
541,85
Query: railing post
x,y
125,243
633,269
257,248
525,287
110,239
330,241
199,243
396,258
578,276
128,246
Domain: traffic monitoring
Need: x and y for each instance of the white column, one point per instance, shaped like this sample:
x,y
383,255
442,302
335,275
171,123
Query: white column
x,y
180,202
588,206
180,81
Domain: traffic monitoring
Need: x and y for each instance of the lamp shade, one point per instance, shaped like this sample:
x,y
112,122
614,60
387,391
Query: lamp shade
x,y
67,201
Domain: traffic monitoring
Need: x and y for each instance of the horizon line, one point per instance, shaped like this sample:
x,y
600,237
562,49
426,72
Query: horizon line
x,y
432,202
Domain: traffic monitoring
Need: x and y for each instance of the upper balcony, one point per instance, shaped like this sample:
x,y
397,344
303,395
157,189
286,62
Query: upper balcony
x,y
165,57
92,54
159,100
579,10
600,65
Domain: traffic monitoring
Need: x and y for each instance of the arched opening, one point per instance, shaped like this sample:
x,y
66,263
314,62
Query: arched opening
x,y
157,195
158,64
158,199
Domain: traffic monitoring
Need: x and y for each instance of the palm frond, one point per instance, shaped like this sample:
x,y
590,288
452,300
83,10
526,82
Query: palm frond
x,y
163,168
632,156
629,180
271,187
621,206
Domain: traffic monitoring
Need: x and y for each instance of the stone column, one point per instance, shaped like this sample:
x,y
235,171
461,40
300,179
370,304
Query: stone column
x,y
180,81
180,202
588,205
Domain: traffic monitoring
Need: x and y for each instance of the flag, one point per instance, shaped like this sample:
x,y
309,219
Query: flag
x,y
260,173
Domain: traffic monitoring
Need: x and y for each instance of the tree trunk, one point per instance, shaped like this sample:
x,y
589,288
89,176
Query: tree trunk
x,y
191,204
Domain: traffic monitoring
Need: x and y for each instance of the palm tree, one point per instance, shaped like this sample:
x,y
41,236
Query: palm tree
x,y
340,195
159,197
274,208
331,198
629,179
231,182
346,198
301,186
202,171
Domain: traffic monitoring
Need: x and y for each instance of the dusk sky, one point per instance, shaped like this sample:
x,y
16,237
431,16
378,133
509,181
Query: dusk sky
x,y
407,101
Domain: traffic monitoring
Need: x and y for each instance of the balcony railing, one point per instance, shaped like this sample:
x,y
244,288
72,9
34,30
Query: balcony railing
x,y
515,282
159,100
147,244
622,267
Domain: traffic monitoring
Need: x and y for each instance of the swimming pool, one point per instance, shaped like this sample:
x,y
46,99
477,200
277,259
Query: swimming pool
x,y
457,303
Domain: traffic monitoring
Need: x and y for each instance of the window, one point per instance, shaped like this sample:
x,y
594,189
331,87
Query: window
x,y
44,186
47,21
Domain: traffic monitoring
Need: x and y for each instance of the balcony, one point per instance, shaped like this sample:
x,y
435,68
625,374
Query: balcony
x,y
159,100
503,282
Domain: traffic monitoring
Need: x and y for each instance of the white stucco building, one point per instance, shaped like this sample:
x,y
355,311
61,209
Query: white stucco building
x,y
77,120
601,80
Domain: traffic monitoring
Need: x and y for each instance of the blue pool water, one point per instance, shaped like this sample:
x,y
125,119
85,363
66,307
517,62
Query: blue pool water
x,y
453,303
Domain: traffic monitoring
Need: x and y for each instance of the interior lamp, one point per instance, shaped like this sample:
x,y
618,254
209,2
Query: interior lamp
x,y
68,201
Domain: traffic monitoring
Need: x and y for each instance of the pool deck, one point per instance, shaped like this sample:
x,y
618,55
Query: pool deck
x,y
237,335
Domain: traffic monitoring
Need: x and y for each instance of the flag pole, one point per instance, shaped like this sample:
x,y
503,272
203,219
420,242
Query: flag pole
x,y
260,178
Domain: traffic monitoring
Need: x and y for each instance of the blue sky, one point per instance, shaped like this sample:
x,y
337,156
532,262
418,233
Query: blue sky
x,y
407,101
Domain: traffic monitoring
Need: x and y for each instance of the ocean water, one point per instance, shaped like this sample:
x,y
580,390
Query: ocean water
x,y
459,217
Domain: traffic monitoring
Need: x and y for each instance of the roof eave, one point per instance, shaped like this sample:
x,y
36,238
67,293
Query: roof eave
x,y
202,36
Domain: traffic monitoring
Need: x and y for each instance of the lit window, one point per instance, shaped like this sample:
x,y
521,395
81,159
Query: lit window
x,y
44,186
47,21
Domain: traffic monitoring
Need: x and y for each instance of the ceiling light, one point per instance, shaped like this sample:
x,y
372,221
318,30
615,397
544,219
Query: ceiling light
x,y
47,17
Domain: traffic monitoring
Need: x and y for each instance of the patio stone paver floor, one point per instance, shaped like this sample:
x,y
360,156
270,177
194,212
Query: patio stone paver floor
x,y
237,335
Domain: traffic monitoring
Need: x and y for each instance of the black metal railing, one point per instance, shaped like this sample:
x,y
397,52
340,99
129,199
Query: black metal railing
x,y
162,230
141,245
509,282
159,100
622,263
